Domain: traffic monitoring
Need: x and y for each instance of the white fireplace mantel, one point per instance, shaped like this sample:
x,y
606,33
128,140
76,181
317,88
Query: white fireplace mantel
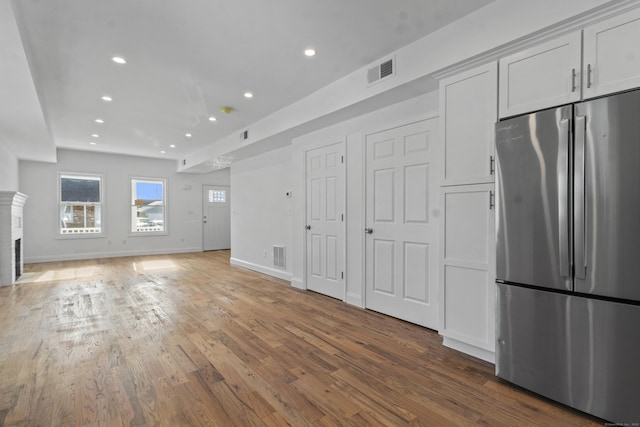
x,y
11,230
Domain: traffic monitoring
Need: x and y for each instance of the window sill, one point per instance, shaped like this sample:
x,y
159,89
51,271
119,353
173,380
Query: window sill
x,y
81,236
149,233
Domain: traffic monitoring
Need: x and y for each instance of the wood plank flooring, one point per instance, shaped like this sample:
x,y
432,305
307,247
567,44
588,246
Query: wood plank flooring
x,y
189,340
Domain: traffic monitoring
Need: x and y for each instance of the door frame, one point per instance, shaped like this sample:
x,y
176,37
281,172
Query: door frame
x,y
325,143
363,217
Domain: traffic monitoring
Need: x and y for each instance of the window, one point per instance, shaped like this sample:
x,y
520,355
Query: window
x,y
148,205
80,204
217,196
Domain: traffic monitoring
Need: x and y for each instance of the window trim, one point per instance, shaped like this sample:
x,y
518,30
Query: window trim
x,y
102,204
165,195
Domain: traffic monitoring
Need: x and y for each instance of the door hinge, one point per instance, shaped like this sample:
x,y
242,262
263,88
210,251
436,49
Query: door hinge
x,y
342,274
491,200
341,159
342,217
491,165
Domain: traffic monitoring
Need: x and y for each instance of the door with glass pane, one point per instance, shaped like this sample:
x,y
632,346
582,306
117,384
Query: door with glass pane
x,y
216,217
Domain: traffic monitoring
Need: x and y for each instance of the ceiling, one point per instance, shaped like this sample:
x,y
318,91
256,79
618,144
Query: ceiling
x,y
187,59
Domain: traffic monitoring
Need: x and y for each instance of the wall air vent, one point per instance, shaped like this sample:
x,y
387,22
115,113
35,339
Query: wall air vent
x,y
381,71
279,257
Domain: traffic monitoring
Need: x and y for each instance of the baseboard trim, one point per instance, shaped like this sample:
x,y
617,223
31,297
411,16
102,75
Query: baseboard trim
x,y
96,255
355,299
471,350
261,269
298,283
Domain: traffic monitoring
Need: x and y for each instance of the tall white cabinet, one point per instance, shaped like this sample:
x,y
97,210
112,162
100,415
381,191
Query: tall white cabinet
x,y
468,112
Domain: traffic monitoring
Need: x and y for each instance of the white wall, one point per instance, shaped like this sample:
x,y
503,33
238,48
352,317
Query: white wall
x,y
8,170
184,214
260,209
261,212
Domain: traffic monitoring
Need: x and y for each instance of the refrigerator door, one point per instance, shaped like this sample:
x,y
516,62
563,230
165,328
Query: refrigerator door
x,y
533,215
582,352
607,212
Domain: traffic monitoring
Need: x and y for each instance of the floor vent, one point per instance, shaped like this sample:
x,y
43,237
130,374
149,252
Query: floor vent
x,y
383,70
279,257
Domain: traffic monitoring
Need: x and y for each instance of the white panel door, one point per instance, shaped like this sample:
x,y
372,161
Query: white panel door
x,y
468,265
401,238
541,77
468,113
612,55
325,185
216,202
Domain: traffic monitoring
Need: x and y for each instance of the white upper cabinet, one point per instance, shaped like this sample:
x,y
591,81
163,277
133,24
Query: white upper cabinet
x,y
468,112
601,59
612,55
541,77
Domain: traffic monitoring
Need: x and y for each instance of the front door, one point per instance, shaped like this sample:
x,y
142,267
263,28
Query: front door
x,y
325,186
216,202
401,238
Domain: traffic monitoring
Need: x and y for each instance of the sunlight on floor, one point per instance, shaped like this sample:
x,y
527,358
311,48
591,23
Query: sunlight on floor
x,y
51,275
154,265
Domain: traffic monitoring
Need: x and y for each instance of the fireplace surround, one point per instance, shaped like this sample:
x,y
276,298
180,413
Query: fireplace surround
x,y
11,236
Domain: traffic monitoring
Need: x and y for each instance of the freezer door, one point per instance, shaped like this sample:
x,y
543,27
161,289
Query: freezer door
x,y
533,216
607,212
582,352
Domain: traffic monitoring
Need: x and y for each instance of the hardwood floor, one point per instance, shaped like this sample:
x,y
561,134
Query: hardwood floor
x,y
189,340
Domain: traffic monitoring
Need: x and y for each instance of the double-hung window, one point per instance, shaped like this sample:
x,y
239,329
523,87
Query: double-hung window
x,y
80,204
148,202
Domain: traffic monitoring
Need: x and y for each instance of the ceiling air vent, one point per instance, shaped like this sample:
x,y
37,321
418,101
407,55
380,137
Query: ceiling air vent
x,y
244,135
381,71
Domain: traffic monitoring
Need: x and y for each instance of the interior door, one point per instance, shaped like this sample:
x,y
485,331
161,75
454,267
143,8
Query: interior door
x,y
325,185
401,237
216,202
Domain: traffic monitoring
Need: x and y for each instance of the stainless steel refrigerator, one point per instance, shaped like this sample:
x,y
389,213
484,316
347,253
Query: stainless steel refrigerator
x,y
568,255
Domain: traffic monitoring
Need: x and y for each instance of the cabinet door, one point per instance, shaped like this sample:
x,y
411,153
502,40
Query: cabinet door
x,y
467,268
468,107
612,55
540,77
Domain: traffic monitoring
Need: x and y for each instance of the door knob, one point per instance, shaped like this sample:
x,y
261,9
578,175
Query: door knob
x,y
368,230
308,227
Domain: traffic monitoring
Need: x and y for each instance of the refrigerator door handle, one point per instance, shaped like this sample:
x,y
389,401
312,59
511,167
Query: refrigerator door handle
x,y
563,202
580,199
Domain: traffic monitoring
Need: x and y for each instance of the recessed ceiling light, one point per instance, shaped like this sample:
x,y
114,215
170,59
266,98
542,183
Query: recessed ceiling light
x,y
212,119
118,60
99,121
107,98
172,146
95,135
93,143
162,151
248,95
310,52
188,135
